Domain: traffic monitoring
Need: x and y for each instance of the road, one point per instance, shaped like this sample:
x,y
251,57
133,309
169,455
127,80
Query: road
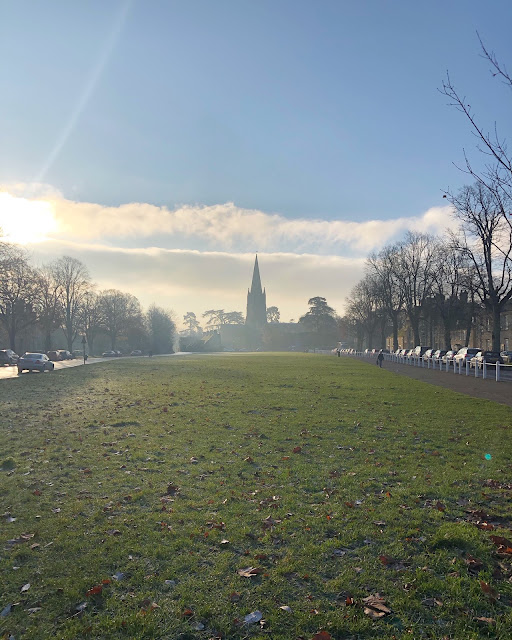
x,y
12,372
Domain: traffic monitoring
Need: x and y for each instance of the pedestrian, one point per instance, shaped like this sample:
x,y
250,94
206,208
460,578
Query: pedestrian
x,y
380,358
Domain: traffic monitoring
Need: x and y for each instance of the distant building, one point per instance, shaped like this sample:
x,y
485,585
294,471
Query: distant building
x,y
256,317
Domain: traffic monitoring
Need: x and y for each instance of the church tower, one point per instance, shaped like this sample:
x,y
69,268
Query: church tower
x,y
256,301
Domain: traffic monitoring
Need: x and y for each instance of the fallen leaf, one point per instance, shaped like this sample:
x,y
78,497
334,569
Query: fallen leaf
x,y
249,572
94,590
488,590
322,635
234,596
25,587
286,608
296,449
485,620
375,607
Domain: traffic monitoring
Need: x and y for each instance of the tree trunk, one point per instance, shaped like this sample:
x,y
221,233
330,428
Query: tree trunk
x,y
447,337
496,328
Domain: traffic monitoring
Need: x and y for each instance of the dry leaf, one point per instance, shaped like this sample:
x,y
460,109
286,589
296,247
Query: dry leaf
x,y
249,572
322,635
488,590
375,606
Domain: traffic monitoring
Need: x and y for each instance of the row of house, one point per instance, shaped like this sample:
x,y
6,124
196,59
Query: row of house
x,y
480,334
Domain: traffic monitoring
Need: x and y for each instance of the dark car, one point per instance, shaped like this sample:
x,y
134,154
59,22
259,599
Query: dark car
x,y
35,362
507,357
489,357
7,356
66,355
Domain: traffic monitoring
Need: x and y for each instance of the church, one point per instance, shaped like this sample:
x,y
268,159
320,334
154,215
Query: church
x,y
257,333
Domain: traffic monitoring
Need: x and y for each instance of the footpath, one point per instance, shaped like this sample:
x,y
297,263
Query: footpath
x,y
477,388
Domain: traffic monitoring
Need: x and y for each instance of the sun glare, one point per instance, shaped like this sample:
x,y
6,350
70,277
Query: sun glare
x,y
25,221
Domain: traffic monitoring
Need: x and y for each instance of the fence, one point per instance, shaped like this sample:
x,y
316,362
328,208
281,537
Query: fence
x,y
498,372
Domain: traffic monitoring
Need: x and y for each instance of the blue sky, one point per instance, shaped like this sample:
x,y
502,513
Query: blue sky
x,y
321,122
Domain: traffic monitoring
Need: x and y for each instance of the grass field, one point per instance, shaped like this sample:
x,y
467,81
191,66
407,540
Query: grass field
x,y
252,496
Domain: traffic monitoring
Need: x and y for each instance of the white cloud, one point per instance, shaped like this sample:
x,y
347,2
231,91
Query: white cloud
x,y
205,254
228,227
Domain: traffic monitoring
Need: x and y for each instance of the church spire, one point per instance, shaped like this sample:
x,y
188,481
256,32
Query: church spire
x,y
256,280
256,301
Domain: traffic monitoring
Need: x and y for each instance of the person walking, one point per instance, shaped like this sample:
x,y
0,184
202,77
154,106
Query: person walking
x,y
380,358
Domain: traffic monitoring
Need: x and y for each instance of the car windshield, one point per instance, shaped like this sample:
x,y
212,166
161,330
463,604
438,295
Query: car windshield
x,y
33,356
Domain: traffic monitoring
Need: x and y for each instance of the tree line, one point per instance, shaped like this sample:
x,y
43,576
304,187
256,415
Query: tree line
x,y
454,279
61,295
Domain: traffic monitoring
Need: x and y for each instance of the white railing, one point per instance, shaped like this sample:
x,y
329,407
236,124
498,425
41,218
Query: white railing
x,y
460,367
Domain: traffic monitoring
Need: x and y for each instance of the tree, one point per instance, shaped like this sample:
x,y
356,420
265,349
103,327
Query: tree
x,y
449,284
390,291
161,330
485,238
191,322
496,175
234,317
413,268
74,281
321,321
363,307
273,314
90,318
216,318
119,312
18,291
50,309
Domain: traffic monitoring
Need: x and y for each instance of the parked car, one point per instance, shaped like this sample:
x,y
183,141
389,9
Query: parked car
x,y
464,354
66,355
429,354
137,352
448,356
489,357
56,356
78,353
439,354
7,356
419,351
109,354
507,357
35,362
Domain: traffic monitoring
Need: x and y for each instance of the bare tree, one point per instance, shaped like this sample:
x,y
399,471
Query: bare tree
x,y
381,266
485,238
74,281
50,308
363,309
90,318
17,291
413,268
497,172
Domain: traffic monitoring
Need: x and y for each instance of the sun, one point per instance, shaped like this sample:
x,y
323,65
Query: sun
x,y
26,221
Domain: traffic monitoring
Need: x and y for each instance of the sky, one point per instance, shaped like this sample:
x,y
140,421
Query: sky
x,y
166,142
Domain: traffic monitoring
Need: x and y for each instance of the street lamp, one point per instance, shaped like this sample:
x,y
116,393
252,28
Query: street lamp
x,y
84,342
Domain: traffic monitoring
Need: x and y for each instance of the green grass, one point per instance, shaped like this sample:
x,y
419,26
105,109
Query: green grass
x,y
335,479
